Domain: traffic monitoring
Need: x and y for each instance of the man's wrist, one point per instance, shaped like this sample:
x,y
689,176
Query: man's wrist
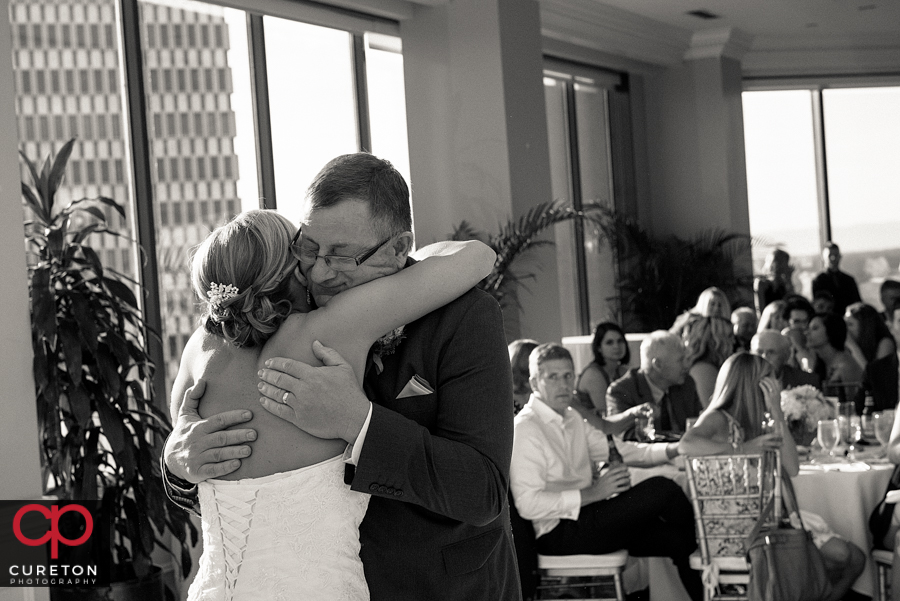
x,y
355,423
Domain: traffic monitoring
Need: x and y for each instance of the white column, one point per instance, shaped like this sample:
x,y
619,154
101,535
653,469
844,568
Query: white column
x,y
478,130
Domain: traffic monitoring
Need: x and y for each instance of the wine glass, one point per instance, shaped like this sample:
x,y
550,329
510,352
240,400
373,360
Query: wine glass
x,y
829,434
884,422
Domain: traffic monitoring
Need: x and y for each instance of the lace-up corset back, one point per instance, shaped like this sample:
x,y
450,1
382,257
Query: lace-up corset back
x,y
292,535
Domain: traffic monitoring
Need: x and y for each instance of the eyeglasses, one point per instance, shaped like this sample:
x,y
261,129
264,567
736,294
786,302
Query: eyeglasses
x,y
335,262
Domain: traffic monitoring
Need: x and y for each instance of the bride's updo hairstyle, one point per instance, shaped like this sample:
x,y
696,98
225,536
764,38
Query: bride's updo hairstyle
x,y
242,275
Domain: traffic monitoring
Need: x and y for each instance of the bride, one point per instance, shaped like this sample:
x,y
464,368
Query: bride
x,y
284,525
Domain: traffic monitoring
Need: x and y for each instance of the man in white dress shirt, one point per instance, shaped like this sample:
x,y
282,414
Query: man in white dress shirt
x,y
574,507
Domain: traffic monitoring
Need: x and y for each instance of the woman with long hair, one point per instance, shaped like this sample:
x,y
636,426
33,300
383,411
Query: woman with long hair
x,y
826,336
708,341
303,537
868,337
745,416
611,357
712,302
772,317
519,350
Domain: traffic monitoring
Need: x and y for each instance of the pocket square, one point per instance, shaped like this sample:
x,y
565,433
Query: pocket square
x,y
417,386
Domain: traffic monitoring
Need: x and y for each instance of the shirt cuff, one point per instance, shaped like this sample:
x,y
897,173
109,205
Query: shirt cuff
x,y
352,452
571,502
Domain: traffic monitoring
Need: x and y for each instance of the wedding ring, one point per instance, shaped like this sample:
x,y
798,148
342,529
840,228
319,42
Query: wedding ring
x,y
284,398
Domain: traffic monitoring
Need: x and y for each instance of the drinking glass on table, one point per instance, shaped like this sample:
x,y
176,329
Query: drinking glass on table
x,y
884,423
829,434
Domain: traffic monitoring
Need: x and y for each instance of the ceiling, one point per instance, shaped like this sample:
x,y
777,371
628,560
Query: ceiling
x,y
769,37
775,18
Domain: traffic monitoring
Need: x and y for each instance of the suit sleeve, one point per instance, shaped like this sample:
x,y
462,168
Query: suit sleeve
x,y
619,399
458,468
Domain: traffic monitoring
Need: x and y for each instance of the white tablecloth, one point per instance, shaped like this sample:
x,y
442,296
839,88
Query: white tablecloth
x,y
845,499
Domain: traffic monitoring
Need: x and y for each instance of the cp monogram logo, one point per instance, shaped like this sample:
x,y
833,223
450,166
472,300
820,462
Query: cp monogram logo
x,y
53,534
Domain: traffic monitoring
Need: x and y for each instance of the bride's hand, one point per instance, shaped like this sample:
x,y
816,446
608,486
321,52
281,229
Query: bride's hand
x,y
325,401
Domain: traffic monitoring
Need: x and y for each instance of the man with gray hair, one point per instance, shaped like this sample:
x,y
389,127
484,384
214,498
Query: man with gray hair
x,y
662,380
775,348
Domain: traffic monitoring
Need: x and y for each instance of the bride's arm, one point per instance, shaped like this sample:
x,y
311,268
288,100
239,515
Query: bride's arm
x,y
370,310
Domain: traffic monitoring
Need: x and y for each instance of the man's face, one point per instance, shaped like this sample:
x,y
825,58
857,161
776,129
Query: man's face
x,y
769,349
554,384
832,258
888,298
822,305
744,325
671,366
344,229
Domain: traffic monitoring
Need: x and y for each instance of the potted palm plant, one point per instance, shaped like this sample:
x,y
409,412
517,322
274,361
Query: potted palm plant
x,y
100,432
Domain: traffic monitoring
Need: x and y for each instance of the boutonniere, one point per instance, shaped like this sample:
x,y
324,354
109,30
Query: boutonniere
x,y
386,345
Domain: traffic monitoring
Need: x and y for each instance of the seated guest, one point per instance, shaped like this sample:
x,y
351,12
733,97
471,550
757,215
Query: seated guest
x,y
743,320
881,377
574,507
772,317
776,349
826,336
823,302
797,313
708,341
890,293
775,281
518,362
712,302
868,337
892,539
733,423
662,381
611,353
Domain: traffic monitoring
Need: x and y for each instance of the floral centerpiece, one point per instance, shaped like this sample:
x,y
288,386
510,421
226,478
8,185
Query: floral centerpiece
x,y
803,407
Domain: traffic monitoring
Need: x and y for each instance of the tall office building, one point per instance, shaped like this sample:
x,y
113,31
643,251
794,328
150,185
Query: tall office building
x,y
69,83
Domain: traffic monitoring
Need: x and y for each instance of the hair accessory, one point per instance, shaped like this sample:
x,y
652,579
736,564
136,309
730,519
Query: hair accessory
x,y
220,293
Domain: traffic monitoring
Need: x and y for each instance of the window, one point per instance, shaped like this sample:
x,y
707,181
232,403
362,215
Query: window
x,y
821,164
200,115
579,109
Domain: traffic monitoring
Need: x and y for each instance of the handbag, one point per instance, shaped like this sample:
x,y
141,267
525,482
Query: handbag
x,y
784,563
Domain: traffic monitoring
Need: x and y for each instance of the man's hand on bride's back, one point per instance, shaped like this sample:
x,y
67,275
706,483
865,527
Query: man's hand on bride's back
x,y
197,448
325,401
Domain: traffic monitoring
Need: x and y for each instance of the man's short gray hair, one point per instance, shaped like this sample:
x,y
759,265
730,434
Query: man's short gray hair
x,y
657,343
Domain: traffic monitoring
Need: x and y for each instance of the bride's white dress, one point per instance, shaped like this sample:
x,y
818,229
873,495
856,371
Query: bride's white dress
x,y
292,535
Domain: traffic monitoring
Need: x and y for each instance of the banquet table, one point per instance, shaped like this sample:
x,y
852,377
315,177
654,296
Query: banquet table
x,y
845,495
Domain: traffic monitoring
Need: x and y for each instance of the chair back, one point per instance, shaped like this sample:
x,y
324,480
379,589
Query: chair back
x,y
728,493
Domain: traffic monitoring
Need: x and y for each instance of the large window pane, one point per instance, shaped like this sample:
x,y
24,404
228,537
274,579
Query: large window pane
x,y
196,79
781,179
592,108
312,103
862,143
387,101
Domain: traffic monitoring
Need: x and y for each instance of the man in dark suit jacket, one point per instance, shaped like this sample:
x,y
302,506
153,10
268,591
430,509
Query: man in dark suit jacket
x,y
433,446
661,382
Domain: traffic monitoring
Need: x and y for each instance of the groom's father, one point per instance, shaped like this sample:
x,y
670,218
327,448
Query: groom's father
x,y
430,438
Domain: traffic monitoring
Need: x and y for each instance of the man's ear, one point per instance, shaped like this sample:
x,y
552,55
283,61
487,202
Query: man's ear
x,y
402,246
533,381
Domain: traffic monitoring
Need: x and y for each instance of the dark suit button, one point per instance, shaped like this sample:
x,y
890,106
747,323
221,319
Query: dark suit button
x,y
398,493
373,487
382,489
389,490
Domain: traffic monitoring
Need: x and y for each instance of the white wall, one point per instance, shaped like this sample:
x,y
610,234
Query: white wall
x,y
19,456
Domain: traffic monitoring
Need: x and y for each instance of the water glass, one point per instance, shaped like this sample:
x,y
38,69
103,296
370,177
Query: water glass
x,y
884,423
829,434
